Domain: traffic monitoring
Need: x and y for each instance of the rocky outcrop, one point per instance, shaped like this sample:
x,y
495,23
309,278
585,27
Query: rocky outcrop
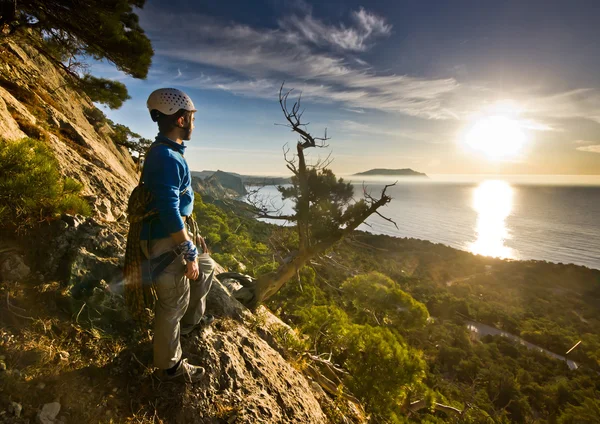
x,y
230,181
36,98
212,188
247,380
218,185
83,253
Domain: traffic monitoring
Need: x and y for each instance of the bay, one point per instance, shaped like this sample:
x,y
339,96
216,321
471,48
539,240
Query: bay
x,y
494,217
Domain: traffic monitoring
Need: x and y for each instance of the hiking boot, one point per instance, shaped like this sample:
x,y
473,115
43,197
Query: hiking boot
x,y
185,372
205,321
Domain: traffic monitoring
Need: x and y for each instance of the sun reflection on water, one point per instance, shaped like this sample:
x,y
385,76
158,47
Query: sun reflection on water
x,y
492,200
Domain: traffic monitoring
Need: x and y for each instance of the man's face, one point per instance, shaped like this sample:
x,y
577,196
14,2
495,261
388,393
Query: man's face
x,y
188,125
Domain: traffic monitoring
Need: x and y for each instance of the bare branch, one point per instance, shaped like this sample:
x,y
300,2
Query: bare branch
x,y
322,163
387,219
294,116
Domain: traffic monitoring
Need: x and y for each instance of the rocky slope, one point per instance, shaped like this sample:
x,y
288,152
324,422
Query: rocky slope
x,y
35,97
67,346
248,378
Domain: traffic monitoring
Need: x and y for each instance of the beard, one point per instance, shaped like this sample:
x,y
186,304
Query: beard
x,y
186,133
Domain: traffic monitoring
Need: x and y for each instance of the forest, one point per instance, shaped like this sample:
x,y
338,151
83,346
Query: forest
x,y
392,313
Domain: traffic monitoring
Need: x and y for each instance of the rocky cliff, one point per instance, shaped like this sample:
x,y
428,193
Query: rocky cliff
x,y
69,351
37,99
218,184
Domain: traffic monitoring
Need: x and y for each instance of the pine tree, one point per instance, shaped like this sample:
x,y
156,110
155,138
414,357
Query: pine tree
x,y
104,91
101,29
324,209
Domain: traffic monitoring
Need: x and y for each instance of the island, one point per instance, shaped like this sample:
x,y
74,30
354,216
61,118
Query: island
x,y
406,172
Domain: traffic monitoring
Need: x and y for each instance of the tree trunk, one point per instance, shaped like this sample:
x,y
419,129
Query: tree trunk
x,y
270,283
303,202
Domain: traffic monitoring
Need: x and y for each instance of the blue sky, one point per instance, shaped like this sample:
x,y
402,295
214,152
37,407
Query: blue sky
x,y
397,83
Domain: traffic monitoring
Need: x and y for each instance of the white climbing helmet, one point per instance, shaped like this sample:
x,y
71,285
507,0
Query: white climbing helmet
x,y
168,101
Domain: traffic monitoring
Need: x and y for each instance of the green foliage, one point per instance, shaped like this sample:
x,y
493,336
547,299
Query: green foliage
x,y
378,300
31,188
71,186
101,29
73,205
104,91
95,116
383,369
232,238
329,199
122,135
587,412
228,261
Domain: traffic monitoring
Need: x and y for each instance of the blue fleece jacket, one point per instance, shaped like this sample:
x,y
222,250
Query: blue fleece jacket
x,y
167,176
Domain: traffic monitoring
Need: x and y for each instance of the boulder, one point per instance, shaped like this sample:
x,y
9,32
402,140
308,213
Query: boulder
x,y
13,268
48,413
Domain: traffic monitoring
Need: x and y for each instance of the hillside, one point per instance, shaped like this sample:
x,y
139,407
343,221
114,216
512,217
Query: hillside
x,y
248,180
36,100
406,172
68,350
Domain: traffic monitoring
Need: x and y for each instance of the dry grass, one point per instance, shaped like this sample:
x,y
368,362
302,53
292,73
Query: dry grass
x,y
54,354
31,130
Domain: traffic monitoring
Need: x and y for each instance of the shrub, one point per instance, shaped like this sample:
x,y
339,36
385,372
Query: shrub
x,y
31,188
73,204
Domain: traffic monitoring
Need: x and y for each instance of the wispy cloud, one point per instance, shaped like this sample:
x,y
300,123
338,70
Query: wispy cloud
x,y
306,52
580,103
361,129
367,26
591,149
320,58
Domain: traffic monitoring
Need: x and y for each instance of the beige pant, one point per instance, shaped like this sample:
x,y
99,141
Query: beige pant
x,y
181,302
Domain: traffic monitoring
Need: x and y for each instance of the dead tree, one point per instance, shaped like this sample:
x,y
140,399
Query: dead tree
x,y
324,207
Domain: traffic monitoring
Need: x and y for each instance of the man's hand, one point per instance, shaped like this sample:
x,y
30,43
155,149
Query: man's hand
x,y
192,272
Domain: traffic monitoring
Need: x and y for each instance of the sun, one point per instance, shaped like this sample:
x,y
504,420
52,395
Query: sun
x,y
496,135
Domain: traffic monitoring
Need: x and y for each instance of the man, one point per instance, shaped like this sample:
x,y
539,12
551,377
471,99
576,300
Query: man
x,y
183,285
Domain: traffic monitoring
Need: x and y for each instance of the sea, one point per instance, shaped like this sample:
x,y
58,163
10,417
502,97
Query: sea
x,y
543,218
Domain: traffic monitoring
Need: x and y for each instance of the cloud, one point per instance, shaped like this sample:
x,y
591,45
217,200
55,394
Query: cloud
x,y
319,58
354,38
579,103
592,149
354,128
305,52
404,97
